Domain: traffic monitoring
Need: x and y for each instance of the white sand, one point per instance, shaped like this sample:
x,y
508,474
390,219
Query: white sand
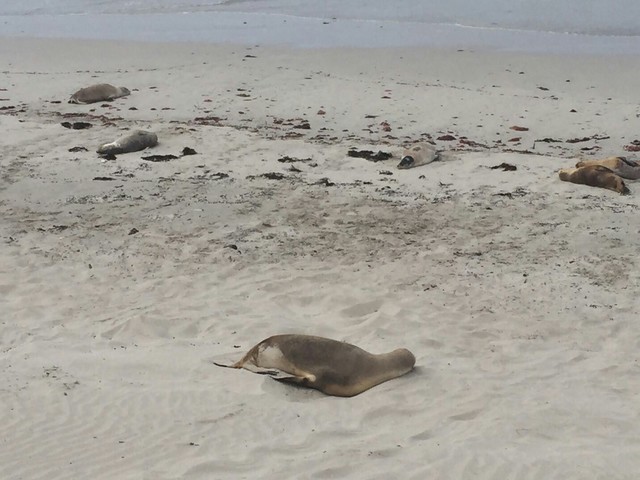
x,y
522,309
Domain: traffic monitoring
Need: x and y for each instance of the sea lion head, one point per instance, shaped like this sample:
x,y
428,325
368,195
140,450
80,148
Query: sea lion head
x,y
565,173
403,358
621,187
125,91
406,162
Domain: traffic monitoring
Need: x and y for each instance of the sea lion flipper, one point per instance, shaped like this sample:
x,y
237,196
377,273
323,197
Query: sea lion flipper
x,y
602,168
292,379
249,366
225,365
302,378
272,372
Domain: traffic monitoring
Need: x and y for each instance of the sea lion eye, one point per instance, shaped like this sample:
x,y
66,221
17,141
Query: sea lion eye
x,y
406,161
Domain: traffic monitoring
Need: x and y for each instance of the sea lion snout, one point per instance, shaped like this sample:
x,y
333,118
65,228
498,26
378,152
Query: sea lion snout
x,y
405,357
406,162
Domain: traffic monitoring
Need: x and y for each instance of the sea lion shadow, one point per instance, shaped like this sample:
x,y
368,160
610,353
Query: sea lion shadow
x,y
275,384
299,393
291,392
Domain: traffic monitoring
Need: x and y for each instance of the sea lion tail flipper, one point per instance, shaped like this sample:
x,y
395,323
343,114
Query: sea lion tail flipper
x,y
224,360
249,366
225,365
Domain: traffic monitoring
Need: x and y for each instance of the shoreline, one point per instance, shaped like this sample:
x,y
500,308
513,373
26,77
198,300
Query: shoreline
x,y
307,32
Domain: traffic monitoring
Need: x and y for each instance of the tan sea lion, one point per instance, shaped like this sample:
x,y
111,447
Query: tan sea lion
x,y
618,165
138,140
594,176
418,154
333,367
102,92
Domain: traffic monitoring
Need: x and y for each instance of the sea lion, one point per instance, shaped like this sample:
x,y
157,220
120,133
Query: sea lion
x,y
619,165
333,367
138,140
594,176
101,92
419,154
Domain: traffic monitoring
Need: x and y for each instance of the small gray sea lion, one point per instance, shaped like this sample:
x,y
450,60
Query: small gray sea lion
x,y
333,367
418,154
101,92
138,140
594,176
619,165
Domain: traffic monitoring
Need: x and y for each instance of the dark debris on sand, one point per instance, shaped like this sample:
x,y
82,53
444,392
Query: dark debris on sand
x,y
76,125
369,155
506,167
633,146
269,176
288,159
324,181
159,158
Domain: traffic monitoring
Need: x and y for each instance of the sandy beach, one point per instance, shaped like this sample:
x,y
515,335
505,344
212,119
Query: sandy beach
x,y
121,280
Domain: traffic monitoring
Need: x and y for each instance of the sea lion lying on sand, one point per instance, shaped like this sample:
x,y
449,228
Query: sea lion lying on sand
x,y
138,140
102,92
419,154
333,367
618,165
594,176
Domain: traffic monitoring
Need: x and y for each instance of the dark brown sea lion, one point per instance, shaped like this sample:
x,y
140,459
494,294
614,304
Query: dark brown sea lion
x,y
618,165
594,176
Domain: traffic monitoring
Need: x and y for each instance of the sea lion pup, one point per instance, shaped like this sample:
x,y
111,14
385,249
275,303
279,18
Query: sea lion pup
x,y
102,92
618,165
138,140
333,367
594,176
418,154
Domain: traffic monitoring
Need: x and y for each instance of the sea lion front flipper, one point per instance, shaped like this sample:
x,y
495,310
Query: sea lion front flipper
x,y
301,380
272,372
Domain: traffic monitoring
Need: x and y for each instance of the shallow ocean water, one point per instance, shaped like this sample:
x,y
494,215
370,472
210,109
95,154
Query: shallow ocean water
x,y
568,26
